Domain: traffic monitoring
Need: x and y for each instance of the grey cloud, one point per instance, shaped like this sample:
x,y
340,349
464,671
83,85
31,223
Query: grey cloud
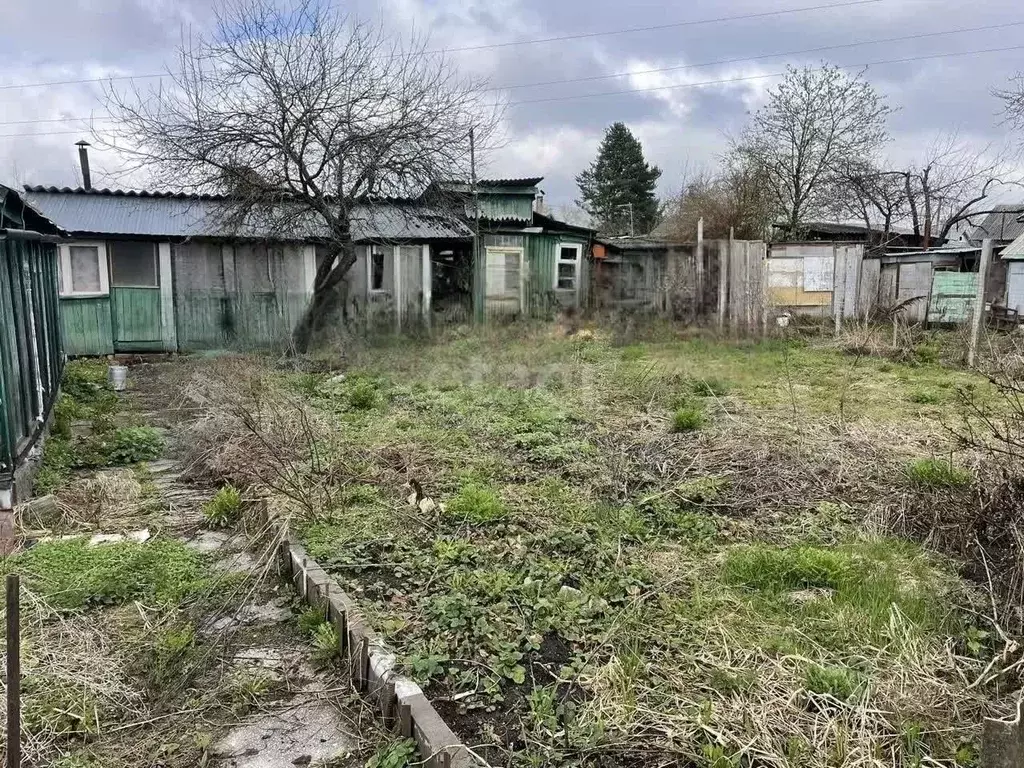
x,y
682,129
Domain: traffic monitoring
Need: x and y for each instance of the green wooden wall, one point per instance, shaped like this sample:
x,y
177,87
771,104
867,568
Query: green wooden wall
x,y
506,206
136,318
541,254
215,320
86,325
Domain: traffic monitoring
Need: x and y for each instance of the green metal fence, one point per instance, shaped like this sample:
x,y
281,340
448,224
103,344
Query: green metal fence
x,y
31,354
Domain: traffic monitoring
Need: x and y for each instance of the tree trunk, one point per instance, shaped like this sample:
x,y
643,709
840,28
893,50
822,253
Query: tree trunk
x,y
327,293
311,321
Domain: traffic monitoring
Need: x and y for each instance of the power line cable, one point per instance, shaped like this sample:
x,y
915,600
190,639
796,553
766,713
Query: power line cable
x,y
725,81
507,44
677,68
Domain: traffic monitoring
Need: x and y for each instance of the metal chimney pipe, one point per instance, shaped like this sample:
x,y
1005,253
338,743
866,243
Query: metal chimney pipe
x,y
83,158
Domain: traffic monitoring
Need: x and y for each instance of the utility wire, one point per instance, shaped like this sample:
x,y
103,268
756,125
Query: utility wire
x,y
678,68
762,77
489,46
746,78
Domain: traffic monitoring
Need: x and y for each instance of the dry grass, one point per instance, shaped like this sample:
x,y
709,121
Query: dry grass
x,y
572,437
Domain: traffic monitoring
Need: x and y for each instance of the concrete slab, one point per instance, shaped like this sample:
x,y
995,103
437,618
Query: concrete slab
x,y
310,733
209,541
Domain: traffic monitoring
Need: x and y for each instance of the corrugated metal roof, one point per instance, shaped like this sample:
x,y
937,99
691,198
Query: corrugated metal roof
x,y
1014,250
1003,224
529,181
405,222
155,214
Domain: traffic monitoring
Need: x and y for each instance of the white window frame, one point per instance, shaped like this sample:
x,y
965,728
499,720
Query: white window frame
x,y
518,251
66,283
576,262
369,270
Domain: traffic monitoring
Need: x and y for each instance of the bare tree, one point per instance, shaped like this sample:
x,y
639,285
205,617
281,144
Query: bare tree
x,y
953,184
734,197
815,122
1013,101
871,194
300,114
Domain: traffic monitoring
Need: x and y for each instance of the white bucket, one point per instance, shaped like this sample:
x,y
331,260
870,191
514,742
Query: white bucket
x,y
117,375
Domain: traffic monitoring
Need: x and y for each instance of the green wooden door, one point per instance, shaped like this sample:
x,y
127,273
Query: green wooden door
x,y
136,316
135,296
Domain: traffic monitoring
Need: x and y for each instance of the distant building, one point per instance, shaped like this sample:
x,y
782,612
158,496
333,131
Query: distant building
x,y
827,231
1002,226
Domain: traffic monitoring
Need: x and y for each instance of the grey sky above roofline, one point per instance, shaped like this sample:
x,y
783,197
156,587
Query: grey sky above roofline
x,y
683,129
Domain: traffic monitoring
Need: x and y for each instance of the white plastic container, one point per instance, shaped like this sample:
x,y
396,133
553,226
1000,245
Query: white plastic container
x,y
117,375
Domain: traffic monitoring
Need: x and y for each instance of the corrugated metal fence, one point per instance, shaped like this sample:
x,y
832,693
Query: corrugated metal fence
x,y
31,355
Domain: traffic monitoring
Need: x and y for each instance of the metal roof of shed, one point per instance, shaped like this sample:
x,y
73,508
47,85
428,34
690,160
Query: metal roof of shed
x,y
1014,250
175,215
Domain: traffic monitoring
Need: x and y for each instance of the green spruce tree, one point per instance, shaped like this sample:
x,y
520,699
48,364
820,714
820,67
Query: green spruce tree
x,y
618,179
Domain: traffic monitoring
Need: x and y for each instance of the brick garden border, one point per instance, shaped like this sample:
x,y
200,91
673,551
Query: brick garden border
x,y
371,665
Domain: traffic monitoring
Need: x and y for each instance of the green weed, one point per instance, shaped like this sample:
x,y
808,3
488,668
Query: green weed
x,y
476,503
688,418
326,643
72,574
222,510
799,567
924,397
938,473
398,754
841,683
130,445
362,395
310,619
709,387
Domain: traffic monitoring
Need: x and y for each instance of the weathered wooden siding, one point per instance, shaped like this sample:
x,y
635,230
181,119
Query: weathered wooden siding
x,y
1015,285
870,283
542,297
237,296
506,207
31,358
136,318
86,325
915,282
952,297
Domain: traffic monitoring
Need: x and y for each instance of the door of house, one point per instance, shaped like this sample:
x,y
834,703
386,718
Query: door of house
x,y
135,296
503,283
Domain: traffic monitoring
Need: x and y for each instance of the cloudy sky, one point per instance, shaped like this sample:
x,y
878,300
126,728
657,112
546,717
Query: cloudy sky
x,y
651,64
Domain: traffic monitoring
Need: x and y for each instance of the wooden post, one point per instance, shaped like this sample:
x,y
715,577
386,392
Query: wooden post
x,y
13,672
747,294
838,288
723,280
979,303
698,304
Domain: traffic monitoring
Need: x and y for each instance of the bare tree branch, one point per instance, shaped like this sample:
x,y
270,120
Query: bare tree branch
x,y
300,115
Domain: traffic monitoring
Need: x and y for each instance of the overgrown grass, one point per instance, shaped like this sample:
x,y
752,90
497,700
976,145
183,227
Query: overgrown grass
x,y
222,510
688,418
600,585
72,574
938,473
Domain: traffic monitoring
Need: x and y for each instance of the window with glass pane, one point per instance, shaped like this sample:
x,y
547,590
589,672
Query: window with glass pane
x,y
567,268
133,264
376,269
85,269
503,273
